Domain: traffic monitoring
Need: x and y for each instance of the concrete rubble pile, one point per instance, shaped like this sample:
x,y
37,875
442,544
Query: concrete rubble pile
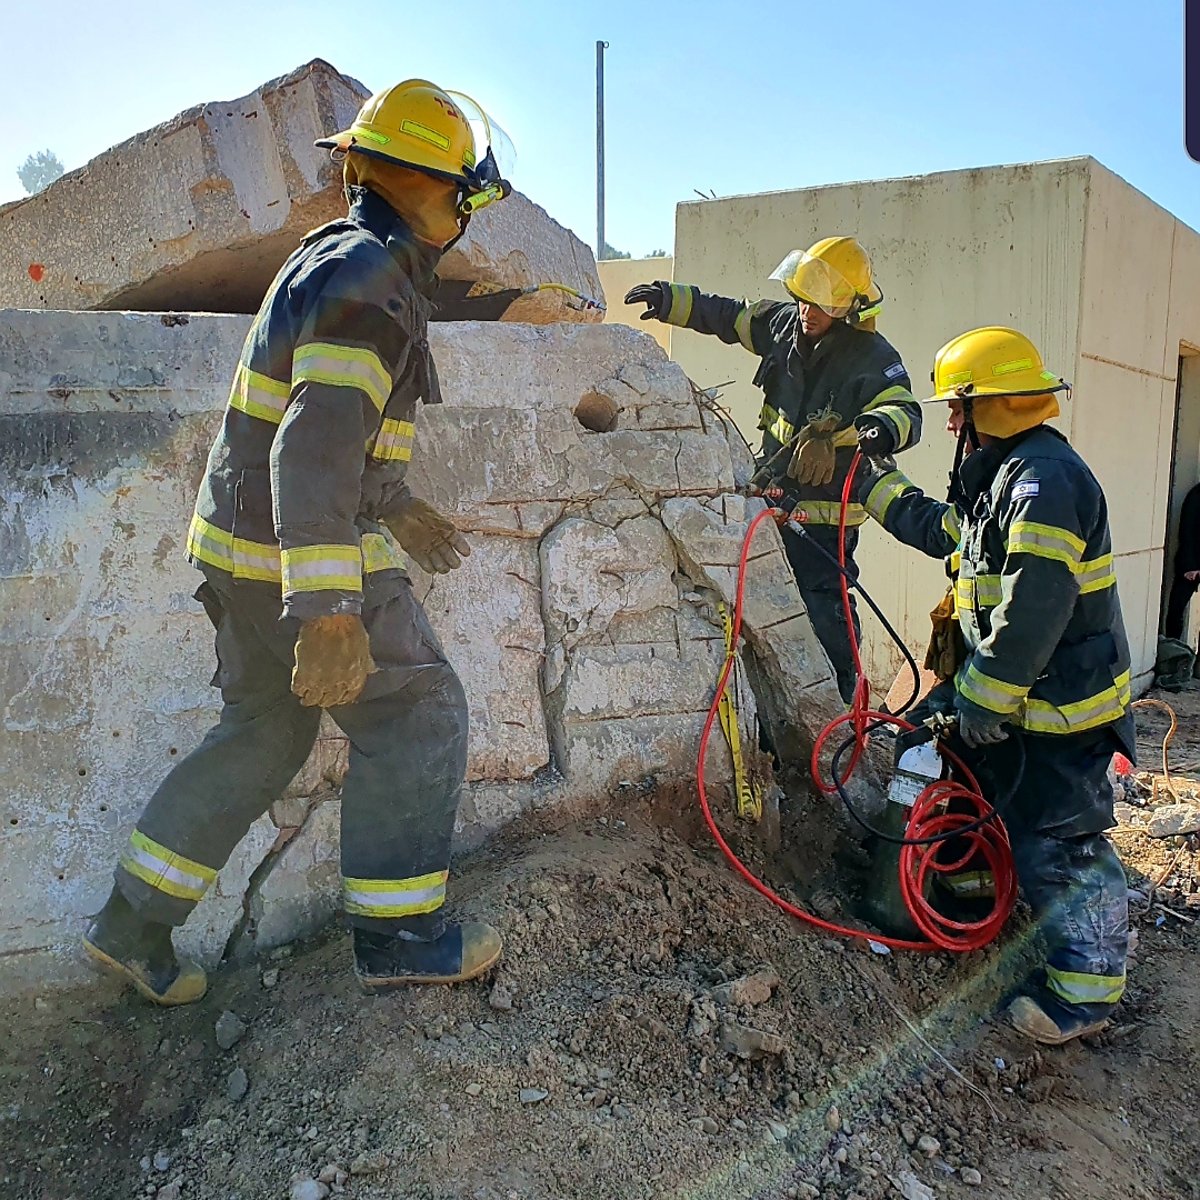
x,y
596,488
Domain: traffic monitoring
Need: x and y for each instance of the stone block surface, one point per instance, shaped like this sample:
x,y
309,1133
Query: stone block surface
x,y
516,243
196,213
487,618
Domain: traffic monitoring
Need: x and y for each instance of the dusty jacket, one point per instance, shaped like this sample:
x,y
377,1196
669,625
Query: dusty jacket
x,y
318,431
850,370
1035,587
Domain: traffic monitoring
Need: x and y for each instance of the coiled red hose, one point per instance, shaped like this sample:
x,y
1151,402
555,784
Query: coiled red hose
x,y
942,809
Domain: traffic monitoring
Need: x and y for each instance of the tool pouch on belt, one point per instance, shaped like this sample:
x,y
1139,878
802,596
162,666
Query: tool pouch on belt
x,y
947,651
814,460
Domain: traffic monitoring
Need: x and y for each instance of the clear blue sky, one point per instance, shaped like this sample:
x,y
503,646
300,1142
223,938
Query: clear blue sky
x,y
733,97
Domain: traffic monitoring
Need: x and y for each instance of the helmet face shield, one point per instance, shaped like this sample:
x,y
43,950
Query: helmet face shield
x,y
488,180
813,281
489,135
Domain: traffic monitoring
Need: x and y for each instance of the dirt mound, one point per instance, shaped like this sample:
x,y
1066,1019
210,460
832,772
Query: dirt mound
x,y
654,1030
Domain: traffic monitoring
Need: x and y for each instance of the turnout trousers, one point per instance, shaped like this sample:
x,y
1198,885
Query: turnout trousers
x,y
1068,870
820,584
408,738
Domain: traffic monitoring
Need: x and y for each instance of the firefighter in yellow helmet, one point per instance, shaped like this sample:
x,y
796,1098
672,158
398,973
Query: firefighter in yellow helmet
x,y
1042,690
303,528
830,384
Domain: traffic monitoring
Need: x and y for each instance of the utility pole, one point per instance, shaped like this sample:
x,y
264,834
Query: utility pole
x,y
600,242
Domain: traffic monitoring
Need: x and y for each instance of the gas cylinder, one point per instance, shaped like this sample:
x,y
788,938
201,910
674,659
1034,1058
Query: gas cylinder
x,y
918,764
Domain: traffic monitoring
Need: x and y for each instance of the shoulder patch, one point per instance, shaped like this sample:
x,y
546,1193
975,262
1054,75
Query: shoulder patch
x,y
897,368
1026,490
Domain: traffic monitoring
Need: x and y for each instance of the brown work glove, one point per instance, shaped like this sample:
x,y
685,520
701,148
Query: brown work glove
x,y
430,539
946,651
333,660
815,458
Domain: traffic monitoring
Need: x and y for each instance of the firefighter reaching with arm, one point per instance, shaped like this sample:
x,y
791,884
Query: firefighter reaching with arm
x,y
830,384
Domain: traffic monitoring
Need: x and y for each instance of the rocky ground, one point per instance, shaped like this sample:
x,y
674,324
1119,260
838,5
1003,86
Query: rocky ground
x,y
654,1030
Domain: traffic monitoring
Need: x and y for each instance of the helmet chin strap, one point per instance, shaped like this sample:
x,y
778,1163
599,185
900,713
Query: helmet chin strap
x,y
956,493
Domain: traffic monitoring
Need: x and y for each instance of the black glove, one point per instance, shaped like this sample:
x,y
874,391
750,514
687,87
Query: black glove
x,y
875,437
656,296
978,727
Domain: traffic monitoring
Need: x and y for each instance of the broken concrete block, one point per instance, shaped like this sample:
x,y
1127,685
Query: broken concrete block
x,y
590,573
515,243
598,758
747,1042
195,214
549,366
1174,820
301,888
612,682
325,768
198,214
488,619
748,990
206,933
787,664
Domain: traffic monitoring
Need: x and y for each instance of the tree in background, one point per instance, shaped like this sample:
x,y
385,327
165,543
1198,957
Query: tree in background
x,y
659,254
40,170
611,252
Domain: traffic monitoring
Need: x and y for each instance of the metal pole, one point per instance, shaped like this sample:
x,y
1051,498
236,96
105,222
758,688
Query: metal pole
x,y
600,242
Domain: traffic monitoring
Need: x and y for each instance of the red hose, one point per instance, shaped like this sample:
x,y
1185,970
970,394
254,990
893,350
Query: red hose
x,y
930,815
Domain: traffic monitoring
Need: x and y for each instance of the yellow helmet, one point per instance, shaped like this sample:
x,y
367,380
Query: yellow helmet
x,y
1001,373
419,125
835,275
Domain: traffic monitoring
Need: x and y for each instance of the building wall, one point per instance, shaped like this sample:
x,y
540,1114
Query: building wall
x,y
1140,300
618,275
951,251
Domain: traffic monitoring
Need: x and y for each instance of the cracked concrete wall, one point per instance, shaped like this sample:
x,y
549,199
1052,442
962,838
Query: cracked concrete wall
x,y
593,485
198,214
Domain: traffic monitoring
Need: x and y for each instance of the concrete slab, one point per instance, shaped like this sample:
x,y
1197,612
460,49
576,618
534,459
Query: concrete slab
x,y
197,214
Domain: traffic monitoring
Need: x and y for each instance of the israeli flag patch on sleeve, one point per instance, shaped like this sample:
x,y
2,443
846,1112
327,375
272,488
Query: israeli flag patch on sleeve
x,y
1026,490
897,368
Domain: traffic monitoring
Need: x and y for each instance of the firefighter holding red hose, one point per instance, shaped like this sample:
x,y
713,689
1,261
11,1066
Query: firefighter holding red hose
x,y
1031,639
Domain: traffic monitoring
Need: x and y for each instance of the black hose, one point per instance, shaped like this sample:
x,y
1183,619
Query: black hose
x,y
839,781
996,809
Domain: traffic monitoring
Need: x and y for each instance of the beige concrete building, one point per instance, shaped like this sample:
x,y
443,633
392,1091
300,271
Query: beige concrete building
x,y
1104,280
618,275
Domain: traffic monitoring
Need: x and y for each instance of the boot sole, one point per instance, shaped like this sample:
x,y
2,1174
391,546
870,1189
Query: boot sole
x,y
1063,1038
116,967
372,984
1045,1038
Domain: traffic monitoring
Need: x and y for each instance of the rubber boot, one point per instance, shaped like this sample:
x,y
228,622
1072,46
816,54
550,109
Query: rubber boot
x,y
463,952
141,952
1051,1022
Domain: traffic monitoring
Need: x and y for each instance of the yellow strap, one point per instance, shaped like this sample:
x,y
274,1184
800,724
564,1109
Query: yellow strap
x,y
749,798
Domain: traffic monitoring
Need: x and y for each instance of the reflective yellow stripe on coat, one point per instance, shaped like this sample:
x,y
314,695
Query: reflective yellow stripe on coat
x,y
342,366
262,561
1039,716
394,441
828,512
886,404
259,395
321,568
